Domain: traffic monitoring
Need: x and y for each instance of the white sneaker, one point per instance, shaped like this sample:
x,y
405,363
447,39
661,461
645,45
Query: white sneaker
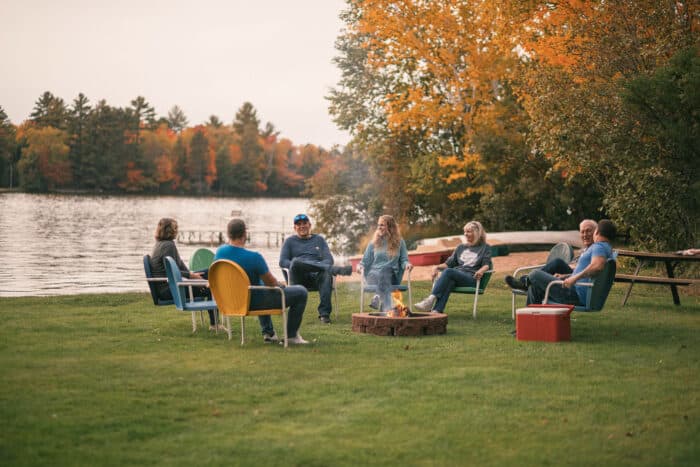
x,y
270,339
426,304
296,340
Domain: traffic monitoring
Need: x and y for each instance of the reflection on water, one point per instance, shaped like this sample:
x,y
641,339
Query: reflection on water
x,y
59,245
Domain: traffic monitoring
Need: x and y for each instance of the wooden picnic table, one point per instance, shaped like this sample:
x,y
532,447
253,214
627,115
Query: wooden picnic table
x,y
669,259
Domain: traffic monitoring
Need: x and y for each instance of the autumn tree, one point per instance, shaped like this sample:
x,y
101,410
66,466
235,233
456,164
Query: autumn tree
x,y
45,164
8,149
250,169
578,58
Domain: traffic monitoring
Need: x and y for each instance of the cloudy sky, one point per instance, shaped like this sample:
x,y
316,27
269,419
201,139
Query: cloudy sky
x,y
206,56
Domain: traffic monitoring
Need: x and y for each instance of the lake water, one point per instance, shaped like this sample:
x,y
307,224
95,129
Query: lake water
x,y
65,244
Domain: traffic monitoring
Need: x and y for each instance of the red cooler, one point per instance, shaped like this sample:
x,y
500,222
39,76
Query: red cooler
x,y
548,323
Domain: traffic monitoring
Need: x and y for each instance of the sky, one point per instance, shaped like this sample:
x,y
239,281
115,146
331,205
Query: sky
x,y
206,56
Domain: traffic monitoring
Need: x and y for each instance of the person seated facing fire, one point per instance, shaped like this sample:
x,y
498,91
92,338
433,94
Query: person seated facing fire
x,y
384,261
463,268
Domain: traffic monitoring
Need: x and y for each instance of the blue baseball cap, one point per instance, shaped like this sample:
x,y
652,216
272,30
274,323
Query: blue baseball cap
x,y
301,218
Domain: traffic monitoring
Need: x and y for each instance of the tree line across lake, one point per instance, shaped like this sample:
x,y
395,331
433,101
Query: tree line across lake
x,y
102,148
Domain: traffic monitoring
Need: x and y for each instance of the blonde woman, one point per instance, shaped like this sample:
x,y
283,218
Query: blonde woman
x,y
384,261
467,263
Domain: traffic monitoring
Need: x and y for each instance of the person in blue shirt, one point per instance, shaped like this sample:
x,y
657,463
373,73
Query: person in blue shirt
x,y
385,259
256,268
310,263
591,262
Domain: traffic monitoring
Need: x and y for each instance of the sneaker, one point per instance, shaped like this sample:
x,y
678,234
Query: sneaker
x,y
296,340
375,302
514,283
325,319
426,304
270,338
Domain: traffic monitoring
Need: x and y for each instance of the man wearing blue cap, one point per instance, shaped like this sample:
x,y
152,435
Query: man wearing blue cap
x,y
310,263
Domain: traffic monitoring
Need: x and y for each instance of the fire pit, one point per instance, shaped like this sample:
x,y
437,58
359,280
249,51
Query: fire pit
x,y
399,321
417,324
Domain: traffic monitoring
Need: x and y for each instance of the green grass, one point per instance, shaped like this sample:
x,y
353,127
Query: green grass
x,y
113,380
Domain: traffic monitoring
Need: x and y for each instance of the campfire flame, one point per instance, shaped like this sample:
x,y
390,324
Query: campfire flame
x,y
400,310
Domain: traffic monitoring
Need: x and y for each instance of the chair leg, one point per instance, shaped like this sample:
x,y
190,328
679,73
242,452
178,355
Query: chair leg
x,y
476,297
242,330
284,325
194,322
335,295
228,326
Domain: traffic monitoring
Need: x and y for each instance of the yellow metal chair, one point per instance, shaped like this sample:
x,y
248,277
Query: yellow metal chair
x,y
231,288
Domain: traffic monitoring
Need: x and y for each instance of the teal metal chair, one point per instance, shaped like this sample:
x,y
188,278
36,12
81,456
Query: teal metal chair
x,y
201,259
181,290
562,251
598,289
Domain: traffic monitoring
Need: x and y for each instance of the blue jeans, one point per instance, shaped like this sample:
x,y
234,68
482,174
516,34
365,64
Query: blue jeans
x,y
295,297
539,280
446,283
383,279
314,277
557,266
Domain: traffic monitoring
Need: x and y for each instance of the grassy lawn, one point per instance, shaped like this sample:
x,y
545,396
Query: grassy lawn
x,y
113,380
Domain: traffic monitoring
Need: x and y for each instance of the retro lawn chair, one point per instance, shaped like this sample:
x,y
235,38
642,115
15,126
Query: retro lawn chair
x,y
231,288
181,290
598,289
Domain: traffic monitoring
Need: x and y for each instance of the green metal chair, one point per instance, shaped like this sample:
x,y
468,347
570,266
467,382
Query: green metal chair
x,y
480,287
562,251
201,259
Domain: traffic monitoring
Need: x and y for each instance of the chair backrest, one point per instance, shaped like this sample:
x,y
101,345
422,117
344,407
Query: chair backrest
x,y
601,286
201,259
152,286
229,284
175,276
562,251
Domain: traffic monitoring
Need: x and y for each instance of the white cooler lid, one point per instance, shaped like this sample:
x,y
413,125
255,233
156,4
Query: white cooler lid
x,y
541,311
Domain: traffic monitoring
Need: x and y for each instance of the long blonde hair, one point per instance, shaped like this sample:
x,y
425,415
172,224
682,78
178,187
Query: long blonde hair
x,y
393,236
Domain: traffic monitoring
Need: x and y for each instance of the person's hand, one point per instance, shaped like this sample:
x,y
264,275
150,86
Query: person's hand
x,y
478,274
409,266
435,273
195,275
569,282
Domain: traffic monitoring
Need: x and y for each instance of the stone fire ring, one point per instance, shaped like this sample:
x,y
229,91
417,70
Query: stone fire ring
x,y
420,324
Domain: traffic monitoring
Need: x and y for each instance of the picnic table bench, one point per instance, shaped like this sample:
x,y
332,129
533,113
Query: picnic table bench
x,y
669,259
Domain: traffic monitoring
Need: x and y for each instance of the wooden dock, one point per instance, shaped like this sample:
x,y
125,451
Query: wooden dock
x,y
213,238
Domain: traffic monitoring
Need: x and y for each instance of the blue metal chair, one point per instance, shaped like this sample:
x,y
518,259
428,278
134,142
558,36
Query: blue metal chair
x,y
598,289
367,288
181,289
153,281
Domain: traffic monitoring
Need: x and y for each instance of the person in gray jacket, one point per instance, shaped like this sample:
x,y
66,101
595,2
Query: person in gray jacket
x,y
467,263
310,263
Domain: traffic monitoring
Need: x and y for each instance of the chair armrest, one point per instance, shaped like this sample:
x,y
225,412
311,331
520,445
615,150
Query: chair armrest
x,y
549,286
157,279
285,273
526,268
193,283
